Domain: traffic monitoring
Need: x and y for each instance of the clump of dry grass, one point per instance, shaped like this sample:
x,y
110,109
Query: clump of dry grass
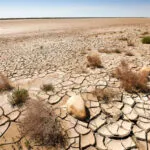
x,y
131,81
104,95
41,125
4,83
94,60
18,97
47,87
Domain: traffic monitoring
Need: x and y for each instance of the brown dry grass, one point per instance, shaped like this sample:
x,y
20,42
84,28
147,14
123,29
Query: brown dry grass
x,y
4,83
104,95
94,60
131,81
41,125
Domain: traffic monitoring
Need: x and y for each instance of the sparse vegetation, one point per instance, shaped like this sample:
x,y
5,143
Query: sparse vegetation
x,y
104,95
94,60
41,125
47,87
146,40
18,97
4,83
131,81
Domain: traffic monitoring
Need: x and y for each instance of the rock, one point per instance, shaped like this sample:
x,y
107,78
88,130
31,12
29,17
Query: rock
x,y
76,107
87,140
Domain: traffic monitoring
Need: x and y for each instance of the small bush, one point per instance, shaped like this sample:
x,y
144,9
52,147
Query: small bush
x,y
41,125
146,40
19,96
94,60
131,81
4,83
104,95
47,87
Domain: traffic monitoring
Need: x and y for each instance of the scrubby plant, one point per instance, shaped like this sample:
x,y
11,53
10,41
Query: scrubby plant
x,y
4,83
104,95
42,126
47,87
146,40
131,81
94,60
18,97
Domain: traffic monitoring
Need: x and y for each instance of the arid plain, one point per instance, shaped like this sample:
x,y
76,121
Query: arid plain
x,y
37,52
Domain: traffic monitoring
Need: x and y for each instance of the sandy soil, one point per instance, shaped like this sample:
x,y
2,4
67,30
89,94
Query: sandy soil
x,y
56,25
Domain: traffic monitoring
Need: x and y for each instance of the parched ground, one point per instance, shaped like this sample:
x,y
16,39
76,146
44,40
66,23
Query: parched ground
x,y
34,52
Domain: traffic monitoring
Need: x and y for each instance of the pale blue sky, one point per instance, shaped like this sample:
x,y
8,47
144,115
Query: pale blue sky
x,y
74,8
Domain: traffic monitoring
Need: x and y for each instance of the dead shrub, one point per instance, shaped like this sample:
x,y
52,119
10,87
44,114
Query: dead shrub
x,y
4,83
94,60
47,87
104,95
131,81
41,125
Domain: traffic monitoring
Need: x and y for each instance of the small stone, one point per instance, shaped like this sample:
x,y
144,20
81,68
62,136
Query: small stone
x,y
76,107
87,140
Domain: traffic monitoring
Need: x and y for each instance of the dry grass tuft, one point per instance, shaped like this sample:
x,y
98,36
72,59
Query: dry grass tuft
x,y
131,81
47,87
4,83
104,95
41,125
18,97
146,40
94,60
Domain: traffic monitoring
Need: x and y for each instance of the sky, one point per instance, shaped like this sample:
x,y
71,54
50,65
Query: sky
x,y
74,8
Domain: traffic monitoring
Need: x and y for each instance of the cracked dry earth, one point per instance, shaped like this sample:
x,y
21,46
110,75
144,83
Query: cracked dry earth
x,y
32,60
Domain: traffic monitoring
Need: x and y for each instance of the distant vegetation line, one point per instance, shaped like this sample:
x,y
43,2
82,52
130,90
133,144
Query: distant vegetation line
x,y
63,18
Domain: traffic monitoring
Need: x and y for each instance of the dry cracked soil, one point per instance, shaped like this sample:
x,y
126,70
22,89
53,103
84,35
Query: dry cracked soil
x,y
37,52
